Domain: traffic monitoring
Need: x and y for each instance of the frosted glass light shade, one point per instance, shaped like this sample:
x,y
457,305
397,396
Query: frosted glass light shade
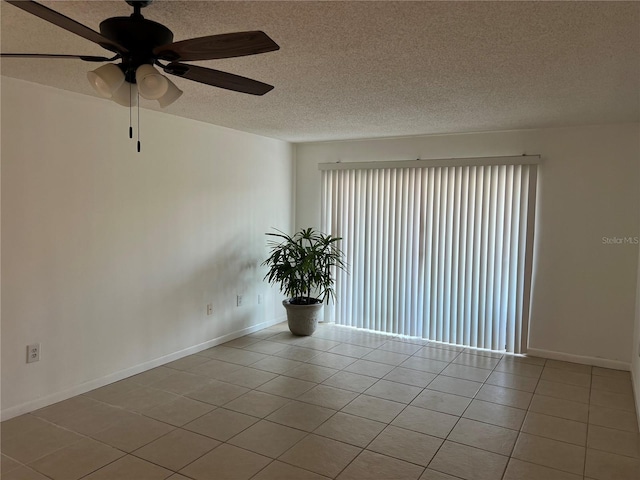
x,y
151,83
126,95
173,93
106,79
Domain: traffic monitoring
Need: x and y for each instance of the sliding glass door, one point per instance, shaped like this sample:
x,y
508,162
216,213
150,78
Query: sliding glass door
x,y
436,249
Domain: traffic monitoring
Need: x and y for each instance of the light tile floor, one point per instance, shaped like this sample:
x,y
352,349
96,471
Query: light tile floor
x,y
341,404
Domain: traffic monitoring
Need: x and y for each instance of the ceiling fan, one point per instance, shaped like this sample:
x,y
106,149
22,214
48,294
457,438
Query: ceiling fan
x,y
139,44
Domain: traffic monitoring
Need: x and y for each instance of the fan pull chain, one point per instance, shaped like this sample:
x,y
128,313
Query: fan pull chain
x,y
138,122
130,108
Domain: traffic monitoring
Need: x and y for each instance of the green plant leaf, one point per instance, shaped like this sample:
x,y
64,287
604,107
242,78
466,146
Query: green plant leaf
x,y
303,264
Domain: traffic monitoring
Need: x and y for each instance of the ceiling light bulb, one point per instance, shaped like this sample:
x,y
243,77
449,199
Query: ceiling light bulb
x,y
126,95
151,83
106,79
173,93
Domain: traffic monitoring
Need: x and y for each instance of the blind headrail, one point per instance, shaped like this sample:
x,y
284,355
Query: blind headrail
x,y
444,162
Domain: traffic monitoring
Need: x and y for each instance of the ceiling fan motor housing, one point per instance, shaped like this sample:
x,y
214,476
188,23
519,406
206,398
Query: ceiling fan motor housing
x,y
139,36
139,3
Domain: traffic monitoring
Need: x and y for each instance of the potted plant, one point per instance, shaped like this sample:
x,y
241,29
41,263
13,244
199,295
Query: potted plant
x,y
303,266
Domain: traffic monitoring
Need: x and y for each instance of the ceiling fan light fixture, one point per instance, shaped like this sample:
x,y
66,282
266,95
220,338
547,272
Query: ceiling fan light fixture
x,y
126,95
151,84
106,79
173,93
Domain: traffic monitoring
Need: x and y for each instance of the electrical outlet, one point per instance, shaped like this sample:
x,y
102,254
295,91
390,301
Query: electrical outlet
x,y
209,308
33,353
259,299
240,300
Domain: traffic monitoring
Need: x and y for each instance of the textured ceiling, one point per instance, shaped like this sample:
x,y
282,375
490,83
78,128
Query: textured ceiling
x,y
371,69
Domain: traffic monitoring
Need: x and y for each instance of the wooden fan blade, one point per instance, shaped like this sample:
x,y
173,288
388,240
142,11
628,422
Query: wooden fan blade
x,y
86,58
213,47
217,78
67,23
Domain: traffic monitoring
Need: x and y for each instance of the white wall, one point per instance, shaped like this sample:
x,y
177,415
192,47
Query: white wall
x,y
110,256
583,292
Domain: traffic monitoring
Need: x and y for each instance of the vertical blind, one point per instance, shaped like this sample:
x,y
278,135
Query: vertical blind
x,y
436,249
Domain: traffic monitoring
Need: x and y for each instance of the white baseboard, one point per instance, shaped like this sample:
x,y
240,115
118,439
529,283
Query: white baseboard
x,y
56,397
568,357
